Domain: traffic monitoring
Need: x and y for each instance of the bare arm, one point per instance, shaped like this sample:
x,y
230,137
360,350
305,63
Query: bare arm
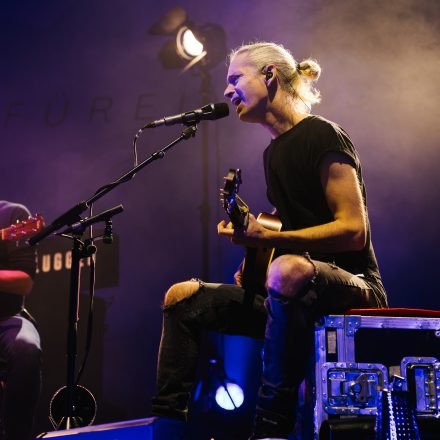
x,y
15,281
347,231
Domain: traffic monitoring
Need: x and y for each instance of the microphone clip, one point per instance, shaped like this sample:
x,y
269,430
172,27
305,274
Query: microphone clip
x,y
107,238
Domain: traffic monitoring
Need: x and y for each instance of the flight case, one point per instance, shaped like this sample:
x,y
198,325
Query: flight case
x,y
356,356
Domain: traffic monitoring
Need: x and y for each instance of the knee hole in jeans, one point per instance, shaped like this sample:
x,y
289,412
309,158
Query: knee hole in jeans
x,y
180,291
288,274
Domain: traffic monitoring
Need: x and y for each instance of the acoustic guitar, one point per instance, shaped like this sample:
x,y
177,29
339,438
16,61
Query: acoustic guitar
x,y
257,260
22,229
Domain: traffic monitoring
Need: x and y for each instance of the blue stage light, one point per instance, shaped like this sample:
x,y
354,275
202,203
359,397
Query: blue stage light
x,y
232,398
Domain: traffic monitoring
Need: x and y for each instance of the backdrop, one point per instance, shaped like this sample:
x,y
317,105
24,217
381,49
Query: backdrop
x,y
79,78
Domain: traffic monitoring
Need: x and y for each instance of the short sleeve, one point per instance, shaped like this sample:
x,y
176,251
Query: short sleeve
x,y
328,137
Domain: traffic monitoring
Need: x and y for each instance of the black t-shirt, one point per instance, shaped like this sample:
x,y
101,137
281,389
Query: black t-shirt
x,y
13,256
292,169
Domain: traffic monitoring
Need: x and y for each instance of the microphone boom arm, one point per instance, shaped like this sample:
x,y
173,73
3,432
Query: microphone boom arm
x,y
73,214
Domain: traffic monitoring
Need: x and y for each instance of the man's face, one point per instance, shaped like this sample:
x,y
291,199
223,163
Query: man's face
x,y
246,89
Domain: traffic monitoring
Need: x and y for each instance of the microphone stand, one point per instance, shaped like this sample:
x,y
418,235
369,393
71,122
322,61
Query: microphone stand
x,y
70,417
70,397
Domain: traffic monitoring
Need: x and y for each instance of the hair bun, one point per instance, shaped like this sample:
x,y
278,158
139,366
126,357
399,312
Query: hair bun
x,y
309,68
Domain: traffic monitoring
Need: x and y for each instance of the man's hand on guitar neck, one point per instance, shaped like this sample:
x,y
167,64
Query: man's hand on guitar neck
x,y
238,275
255,235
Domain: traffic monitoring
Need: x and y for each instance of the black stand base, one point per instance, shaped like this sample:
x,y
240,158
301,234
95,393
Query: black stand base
x,y
70,422
83,409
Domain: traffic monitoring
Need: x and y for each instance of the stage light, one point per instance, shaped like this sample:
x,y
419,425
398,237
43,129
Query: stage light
x,y
231,399
191,44
188,46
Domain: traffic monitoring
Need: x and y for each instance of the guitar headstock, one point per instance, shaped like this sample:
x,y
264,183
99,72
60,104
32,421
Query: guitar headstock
x,y
234,206
23,229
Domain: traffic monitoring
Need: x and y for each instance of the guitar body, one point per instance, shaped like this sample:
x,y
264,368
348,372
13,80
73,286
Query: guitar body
x,y
257,260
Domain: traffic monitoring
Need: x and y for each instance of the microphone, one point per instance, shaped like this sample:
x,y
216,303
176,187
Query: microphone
x,y
208,112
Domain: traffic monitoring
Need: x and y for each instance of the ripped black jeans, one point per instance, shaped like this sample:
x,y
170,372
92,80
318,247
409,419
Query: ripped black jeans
x,y
286,325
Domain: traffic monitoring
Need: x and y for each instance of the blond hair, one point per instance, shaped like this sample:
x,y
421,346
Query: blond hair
x,y
296,78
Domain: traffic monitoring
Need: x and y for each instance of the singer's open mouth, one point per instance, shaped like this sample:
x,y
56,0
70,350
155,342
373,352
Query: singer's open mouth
x,y
236,101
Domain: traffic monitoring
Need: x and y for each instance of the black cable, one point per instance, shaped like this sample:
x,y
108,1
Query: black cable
x,y
135,156
135,164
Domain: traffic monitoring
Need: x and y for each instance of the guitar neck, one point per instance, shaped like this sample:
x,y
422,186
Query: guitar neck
x,y
239,217
257,261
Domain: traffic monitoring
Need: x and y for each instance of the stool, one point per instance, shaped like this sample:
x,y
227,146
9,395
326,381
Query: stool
x,y
356,354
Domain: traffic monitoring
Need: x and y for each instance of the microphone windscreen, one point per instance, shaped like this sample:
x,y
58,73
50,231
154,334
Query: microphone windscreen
x,y
219,110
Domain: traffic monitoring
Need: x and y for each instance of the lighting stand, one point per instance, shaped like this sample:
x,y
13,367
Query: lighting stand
x,y
205,212
214,376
